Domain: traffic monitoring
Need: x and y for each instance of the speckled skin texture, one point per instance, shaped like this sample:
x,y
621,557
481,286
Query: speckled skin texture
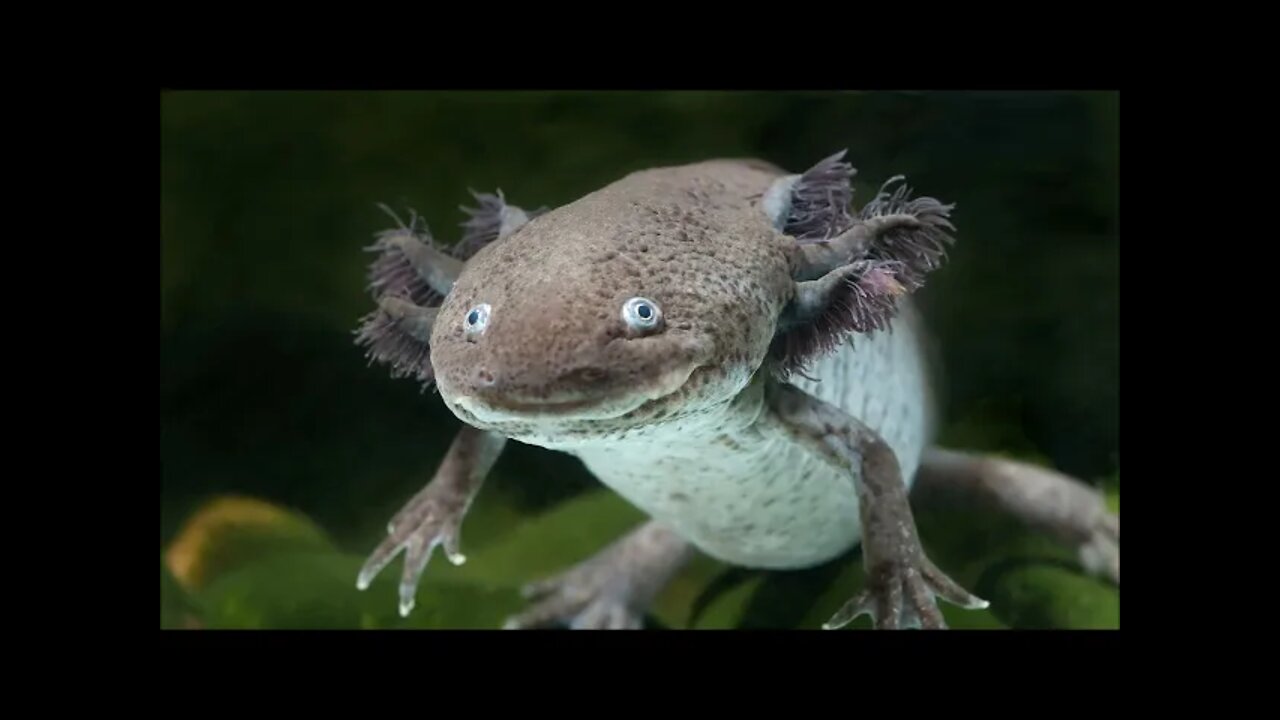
x,y
688,239
556,367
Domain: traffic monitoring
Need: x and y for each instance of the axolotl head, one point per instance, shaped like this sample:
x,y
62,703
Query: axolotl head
x,y
652,301
631,307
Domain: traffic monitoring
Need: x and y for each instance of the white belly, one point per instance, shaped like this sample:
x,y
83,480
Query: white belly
x,y
758,500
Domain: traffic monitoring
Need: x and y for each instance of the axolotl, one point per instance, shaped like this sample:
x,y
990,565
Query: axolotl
x,y
733,349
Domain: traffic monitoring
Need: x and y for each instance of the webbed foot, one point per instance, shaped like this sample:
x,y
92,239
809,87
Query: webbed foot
x,y
610,591
584,602
902,583
431,519
434,516
902,593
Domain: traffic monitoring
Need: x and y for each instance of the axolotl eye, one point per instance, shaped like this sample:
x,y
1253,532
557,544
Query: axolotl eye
x,y
641,314
476,320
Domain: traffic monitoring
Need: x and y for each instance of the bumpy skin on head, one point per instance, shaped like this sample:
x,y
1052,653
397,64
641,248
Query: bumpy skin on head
x,y
556,359
748,266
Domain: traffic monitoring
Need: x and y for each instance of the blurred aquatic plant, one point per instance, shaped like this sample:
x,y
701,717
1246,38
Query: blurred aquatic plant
x,y
248,564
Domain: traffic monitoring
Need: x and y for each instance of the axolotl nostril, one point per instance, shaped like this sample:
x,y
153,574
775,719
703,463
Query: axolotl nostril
x,y
730,347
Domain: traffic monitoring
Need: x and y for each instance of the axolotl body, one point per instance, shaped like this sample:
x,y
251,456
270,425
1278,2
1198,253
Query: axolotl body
x,y
729,347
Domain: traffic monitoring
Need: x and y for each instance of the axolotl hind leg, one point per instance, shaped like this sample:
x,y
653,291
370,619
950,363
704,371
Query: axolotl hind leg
x,y
1059,505
611,590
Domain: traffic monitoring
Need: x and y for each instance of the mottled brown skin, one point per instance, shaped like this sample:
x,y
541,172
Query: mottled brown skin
x,y
702,391
679,236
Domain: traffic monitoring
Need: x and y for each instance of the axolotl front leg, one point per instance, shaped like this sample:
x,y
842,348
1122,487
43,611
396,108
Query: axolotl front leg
x,y
434,516
902,582
611,590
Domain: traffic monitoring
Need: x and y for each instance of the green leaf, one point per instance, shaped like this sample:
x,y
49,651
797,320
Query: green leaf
x,y
1040,595
277,572
723,610
176,609
229,532
316,590
548,543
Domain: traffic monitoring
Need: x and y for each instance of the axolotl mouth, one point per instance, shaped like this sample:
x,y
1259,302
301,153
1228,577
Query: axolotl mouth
x,y
496,408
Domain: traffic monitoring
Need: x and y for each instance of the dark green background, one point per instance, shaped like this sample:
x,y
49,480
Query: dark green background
x,y
268,198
